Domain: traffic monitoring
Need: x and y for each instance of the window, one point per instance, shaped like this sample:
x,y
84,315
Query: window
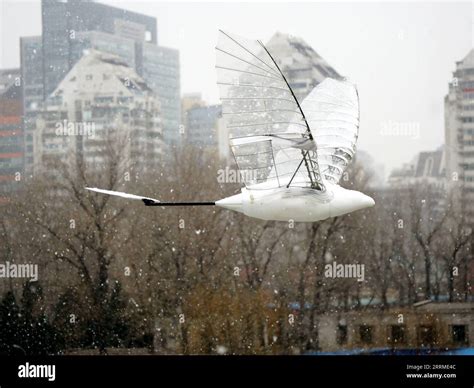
x,y
101,99
366,334
428,167
459,334
148,36
89,77
426,335
341,338
397,334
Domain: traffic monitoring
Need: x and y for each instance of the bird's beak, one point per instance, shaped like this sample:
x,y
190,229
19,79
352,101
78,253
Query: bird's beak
x,y
368,201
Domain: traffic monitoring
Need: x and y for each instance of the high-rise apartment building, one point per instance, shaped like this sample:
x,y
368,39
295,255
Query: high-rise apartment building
x,y
459,133
100,106
69,29
302,65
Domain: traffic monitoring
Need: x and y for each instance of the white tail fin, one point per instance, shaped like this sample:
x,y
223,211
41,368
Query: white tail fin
x,y
149,201
123,195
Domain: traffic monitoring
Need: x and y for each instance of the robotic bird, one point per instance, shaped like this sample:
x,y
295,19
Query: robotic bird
x,y
291,156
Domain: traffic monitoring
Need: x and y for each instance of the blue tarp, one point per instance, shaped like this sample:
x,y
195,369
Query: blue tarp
x,y
397,352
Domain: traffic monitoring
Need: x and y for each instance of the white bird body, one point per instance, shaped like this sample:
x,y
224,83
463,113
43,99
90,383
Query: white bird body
x,y
298,204
295,153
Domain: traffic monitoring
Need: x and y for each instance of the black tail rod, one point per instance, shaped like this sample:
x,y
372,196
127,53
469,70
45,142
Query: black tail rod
x,y
150,202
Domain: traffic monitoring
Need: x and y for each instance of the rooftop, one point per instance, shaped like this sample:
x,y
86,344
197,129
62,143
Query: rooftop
x,y
101,72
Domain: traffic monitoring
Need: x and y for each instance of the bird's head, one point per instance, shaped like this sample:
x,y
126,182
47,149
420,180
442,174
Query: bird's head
x,y
346,201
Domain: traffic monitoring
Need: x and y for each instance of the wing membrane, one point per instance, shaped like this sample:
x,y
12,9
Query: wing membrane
x,y
332,111
259,107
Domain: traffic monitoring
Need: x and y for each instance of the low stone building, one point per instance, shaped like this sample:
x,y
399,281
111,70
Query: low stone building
x,y
424,325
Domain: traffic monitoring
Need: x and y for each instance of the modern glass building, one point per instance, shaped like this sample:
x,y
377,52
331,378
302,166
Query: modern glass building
x,y
202,125
302,65
159,67
11,137
31,57
70,28
62,20
101,41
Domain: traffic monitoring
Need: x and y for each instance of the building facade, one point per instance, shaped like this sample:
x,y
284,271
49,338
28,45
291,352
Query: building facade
x,y
204,128
105,42
102,109
71,28
62,20
11,136
302,65
31,58
428,167
202,124
159,67
459,133
190,100
424,325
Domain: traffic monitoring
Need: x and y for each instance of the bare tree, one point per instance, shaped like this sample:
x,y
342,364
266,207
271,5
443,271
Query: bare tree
x,y
426,224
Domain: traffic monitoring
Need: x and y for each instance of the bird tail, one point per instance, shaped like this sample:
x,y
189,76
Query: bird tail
x,y
147,200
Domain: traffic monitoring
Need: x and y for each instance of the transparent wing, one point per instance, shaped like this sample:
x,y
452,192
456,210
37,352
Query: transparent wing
x,y
332,112
258,107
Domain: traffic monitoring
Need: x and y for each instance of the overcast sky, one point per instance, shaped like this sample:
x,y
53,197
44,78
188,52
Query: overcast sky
x,y
400,55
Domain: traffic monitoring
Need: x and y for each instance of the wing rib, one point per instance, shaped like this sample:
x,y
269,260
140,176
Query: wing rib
x,y
247,50
314,181
290,88
260,99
